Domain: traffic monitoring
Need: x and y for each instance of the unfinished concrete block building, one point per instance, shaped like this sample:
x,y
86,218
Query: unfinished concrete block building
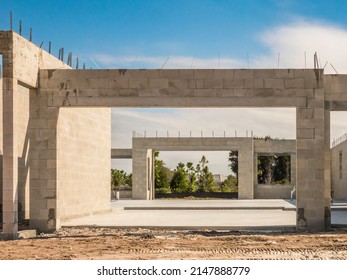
x,y
56,127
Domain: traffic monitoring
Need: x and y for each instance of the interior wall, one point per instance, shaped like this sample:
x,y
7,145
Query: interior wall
x,y
83,162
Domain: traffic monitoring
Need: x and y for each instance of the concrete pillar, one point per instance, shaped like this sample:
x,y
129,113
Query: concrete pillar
x,y
150,173
1,143
327,170
43,165
153,175
246,171
255,170
311,144
10,159
140,175
293,169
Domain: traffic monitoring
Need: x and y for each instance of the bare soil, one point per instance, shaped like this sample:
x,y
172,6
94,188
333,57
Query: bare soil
x,y
143,244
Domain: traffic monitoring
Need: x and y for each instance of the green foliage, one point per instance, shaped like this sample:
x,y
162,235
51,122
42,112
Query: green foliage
x,y
229,185
129,180
162,174
163,191
274,170
179,182
205,181
282,170
234,164
120,178
266,169
191,177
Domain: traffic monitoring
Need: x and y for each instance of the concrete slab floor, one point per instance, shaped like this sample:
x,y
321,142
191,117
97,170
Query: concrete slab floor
x,y
237,215
276,214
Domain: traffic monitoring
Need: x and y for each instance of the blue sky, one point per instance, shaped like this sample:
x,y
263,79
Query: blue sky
x,y
192,34
203,29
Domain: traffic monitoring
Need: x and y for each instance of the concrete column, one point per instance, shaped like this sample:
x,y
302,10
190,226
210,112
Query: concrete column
x,y
246,171
1,143
10,159
293,169
140,185
153,174
43,164
255,171
311,144
327,170
149,168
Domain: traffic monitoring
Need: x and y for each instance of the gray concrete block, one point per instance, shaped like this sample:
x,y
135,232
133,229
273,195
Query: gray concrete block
x,y
294,83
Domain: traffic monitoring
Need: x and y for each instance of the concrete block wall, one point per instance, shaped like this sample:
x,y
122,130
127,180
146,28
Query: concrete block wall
x,y
83,162
335,88
248,150
272,191
275,146
246,170
143,166
31,143
339,176
23,142
1,142
313,189
21,60
180,87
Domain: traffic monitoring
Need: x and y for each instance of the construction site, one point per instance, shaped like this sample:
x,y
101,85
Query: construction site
x,y
56,158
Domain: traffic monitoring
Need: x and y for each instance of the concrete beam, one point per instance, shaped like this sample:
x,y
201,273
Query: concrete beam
x,y
121,153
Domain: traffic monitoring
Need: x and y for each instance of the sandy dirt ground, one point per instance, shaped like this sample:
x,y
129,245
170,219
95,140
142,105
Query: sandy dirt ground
x,y
142,244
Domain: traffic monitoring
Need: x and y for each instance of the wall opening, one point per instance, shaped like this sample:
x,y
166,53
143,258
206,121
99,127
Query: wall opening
x,y
121,181
259,123
194,174
274,170
338,132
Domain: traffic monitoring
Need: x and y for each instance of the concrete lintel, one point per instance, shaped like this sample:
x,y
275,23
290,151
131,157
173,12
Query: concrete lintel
x,y
121,153
170,102
337,105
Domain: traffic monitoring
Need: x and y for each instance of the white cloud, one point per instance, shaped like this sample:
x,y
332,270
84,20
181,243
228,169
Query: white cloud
x,y
292,41
168,62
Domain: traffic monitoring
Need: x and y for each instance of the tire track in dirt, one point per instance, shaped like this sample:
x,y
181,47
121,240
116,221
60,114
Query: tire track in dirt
x,y
248,253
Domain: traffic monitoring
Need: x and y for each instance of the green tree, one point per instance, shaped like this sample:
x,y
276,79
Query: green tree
x,y
179,182
205,182
191,176
265,169
229,185
234,164
282,170
162,175
118,178
129,180
274,169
